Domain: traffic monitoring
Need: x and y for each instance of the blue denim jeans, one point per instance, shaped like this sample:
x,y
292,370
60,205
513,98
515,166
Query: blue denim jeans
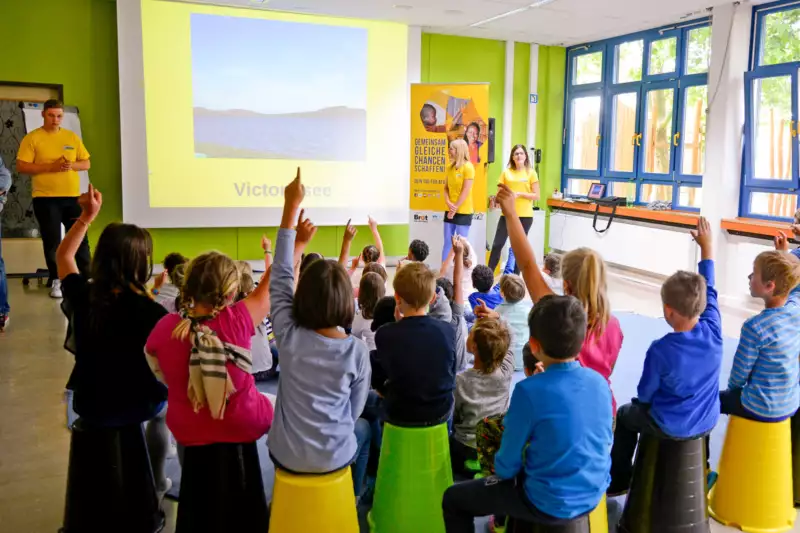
x,y
451,229
4,308
359,468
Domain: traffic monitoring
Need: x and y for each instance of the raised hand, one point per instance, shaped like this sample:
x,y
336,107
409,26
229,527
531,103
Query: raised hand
x,y
781,242
482,311
350,231
796,230
90,202
294,193
371,222
458,245
160,280
505,199
305,228
703,238
266,244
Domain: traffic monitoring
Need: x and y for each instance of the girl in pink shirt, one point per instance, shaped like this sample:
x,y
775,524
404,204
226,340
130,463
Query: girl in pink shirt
x,y
203,356
584,274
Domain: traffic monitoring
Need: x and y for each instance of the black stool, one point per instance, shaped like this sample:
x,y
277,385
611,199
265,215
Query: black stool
x,y
577,525
222,490
668,488
796,457
110,484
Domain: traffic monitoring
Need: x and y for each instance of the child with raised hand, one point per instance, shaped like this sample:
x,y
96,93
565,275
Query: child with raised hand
x,y
370,253
514,312
678,390
325,373
371,289
584,275
416,354
203,355
763,384
166,287
553,462
110,316
482,390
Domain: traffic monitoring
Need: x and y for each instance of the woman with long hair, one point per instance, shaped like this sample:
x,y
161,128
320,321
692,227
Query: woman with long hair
x,y
111,314
460,176
523,182
472,136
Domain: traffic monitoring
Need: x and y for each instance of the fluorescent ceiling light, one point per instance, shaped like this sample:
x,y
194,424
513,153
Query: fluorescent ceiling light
x,y
537,3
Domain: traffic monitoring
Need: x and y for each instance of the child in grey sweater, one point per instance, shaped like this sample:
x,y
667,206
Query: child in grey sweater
x,y
325,373
482,390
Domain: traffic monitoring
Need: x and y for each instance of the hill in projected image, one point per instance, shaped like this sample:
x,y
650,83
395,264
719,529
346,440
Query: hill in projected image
x,y
267,89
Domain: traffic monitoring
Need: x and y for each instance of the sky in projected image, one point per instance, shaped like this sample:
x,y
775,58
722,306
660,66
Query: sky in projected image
x,y
278,90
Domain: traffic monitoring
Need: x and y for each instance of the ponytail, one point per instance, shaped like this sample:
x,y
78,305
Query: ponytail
x,y
584,272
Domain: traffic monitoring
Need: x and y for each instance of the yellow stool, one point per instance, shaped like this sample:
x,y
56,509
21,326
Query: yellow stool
x,y
754,488
598,519
322,504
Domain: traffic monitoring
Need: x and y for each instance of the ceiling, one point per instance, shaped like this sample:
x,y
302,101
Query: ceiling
x,y
559,22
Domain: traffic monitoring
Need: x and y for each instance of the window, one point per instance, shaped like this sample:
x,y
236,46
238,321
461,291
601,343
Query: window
x,y
770,174
636,115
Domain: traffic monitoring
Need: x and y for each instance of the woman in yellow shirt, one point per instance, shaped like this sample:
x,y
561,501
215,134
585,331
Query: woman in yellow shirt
x,y
522,179
460,176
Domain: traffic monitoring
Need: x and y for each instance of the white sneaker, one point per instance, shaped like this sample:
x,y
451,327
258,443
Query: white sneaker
x,y
55,290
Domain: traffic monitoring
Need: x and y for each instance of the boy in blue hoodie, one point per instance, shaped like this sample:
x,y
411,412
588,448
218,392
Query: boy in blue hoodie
x,y
553,462
678,391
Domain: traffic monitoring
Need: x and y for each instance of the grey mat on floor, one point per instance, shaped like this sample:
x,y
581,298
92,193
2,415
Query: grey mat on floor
x,y
639,332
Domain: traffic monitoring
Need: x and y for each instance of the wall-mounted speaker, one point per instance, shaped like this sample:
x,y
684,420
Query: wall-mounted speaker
x,y
490,139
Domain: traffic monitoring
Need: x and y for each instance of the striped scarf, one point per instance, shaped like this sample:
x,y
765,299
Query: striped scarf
x,y
209,382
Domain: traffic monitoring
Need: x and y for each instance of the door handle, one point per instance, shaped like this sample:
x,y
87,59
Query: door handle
x,y
675,138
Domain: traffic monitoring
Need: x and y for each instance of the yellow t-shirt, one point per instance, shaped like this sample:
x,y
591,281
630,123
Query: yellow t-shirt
x,y
455,181
521,181
40,147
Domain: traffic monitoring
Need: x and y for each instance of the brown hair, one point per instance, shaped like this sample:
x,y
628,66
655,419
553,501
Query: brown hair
x,y
370,254
324,296
53,104
246,282
797,217
511,164
212,279
552,262
415,283
512,287
781,268
685,292
376,268
492,339
584,273
371,289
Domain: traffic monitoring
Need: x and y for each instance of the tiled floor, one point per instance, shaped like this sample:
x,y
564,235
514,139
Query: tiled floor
x,y
34,442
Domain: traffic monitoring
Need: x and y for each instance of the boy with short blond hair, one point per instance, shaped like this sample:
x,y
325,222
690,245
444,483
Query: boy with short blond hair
x,y
514,312
417,353
763,384
678,390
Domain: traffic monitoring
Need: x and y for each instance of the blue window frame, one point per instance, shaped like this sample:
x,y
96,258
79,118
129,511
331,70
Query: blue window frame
x,y
641,107
770,176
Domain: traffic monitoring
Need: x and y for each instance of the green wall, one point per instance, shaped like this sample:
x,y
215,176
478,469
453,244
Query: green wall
x,y
550,121
81,54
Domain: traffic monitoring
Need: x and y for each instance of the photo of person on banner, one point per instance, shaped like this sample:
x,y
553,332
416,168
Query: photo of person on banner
x,y
459,179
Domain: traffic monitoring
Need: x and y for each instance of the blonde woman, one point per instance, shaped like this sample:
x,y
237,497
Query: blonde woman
x,y
460,177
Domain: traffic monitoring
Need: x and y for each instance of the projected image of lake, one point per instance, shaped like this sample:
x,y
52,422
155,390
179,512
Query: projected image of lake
x,y
270,89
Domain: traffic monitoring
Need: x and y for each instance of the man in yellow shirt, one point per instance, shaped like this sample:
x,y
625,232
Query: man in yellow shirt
x,y
53,156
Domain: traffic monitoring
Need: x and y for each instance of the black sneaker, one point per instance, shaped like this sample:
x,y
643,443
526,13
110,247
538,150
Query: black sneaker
x,y
4,320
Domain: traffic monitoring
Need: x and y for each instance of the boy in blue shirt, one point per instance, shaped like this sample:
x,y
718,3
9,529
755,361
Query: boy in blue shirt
x,y
553,463
678,396
764,379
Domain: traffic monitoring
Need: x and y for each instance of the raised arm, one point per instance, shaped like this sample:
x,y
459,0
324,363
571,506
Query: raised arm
x,y
90,203
703,237
523,253
257,302
350,232
458,267
376,236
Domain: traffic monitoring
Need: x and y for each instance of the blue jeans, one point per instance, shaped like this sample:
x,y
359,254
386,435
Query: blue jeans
x,y
4,308
451,229
359,468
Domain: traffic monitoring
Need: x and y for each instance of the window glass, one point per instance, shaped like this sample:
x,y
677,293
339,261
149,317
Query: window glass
x,y
657,144
698,50
663,55
623,131
690,197
628,61
772,128
652,192
578,187
773,204
695,102
588,68
779,39
584,132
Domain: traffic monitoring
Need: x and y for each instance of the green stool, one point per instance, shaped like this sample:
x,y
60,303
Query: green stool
x,y
413,473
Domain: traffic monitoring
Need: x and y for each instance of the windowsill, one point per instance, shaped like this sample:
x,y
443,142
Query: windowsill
x,y
672,218
754,227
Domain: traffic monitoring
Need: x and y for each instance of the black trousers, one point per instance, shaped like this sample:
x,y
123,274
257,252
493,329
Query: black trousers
x,y
491,495
500,237
51,213
633,419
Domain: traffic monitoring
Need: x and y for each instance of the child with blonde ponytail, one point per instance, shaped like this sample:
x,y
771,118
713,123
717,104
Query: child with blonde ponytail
x,y
584,275
203,355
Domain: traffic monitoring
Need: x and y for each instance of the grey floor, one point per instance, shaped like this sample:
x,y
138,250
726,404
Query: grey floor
x,y
34,444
